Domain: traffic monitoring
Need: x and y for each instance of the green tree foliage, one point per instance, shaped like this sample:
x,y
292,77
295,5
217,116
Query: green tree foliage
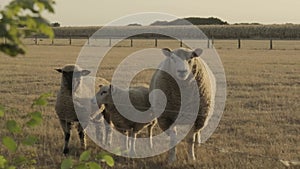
x,y
87,162
21,18
55,24
192,20
15,138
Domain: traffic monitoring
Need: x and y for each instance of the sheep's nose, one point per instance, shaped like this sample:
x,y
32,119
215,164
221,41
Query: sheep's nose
x,y
182,72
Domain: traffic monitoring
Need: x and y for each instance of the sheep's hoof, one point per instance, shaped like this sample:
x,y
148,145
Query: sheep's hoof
x,y
66,151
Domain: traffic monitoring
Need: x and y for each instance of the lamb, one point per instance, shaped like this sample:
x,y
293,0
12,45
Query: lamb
x,y
183,68
71,78
139,97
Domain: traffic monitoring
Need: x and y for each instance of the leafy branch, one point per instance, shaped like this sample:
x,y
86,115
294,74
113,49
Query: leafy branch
x,y
21,18
15,130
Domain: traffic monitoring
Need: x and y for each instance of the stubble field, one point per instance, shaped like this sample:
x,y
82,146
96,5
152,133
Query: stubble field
x,y
260,125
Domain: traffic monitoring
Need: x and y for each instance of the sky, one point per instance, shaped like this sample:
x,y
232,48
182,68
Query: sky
x,y
101,12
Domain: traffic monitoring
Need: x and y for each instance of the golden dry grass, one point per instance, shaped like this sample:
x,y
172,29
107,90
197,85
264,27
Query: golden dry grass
x,y
260,125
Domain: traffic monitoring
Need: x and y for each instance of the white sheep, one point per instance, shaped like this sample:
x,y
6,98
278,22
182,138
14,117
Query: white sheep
x,y
182,66
139,97
71,79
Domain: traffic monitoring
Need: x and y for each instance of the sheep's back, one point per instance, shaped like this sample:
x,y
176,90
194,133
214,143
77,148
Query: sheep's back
x,y
139,97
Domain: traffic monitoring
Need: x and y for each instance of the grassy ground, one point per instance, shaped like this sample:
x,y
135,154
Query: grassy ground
x,y
260,125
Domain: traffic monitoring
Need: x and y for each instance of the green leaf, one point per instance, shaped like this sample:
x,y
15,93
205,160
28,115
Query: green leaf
x,y
85,156
41,100
12,126
81,166
12,50
30,140
66,164
36,119
47,30
3,162
20,160
36,115
40,5
9,143
109,160
2,111
93,165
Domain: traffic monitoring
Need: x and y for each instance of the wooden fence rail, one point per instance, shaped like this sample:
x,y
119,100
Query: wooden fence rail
x,y
134,42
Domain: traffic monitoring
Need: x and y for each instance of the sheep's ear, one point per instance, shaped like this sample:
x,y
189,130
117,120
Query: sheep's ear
x,y
85,72
166,52
197,52
59,70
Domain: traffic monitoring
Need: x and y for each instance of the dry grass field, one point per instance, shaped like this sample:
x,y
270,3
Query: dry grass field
x,y
260,125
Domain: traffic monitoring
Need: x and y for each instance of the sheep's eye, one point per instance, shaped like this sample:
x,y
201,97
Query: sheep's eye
x,y
189,61
76,74
173,58
102,93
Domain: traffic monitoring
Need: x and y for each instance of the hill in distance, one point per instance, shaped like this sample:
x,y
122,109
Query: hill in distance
x,y
193,20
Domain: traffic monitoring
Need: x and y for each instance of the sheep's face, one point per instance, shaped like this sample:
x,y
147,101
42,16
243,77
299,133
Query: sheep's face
x,y
103,96
71,76
180,61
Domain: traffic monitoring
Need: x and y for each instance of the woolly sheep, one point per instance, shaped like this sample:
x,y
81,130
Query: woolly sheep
x,y
139,97
183,65
71,78
102,130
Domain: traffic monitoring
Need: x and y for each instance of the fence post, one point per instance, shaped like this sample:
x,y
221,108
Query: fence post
x,y
70,40
271,44
109,43
52,41
88,40
208,45
239,43
156,42
5,40
181,43
35,40
131,42
212,41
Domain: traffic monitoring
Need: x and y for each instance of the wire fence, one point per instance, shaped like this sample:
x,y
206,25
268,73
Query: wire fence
x,y
160,42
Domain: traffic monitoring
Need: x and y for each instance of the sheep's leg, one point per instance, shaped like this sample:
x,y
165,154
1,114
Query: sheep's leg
x,y
132,142
82,138
150,133
99,133
125,141
66,128
198,138
173,141
109,133
191,142
98,122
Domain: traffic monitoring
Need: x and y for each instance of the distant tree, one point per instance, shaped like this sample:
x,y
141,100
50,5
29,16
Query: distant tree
x,y
21,18
192,20
134,24
55,24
